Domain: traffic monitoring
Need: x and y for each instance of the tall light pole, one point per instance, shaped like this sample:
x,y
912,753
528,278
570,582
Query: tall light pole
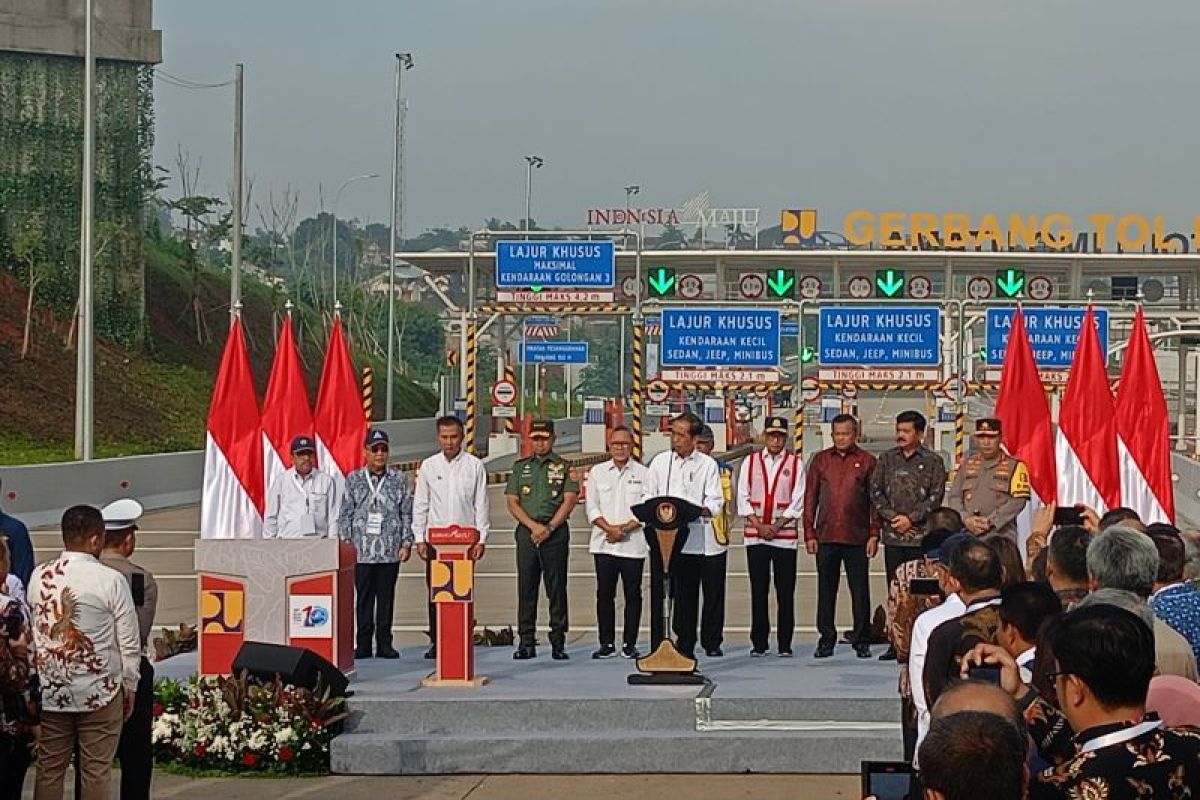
x,y
630,191
531,162
84,435
235,262
404,62
336,198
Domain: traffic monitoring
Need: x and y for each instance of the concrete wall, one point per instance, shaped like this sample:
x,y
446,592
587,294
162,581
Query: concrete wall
x,y
124,29
1187,490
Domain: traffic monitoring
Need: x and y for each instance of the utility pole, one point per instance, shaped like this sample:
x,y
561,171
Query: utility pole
x,y
404,62
235,272
84,372
531,162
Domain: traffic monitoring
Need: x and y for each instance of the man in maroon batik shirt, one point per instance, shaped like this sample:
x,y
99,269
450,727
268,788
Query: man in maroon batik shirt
x,y
841,527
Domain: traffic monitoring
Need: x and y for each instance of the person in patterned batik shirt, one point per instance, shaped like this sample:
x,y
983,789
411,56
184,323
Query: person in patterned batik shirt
x,y
20,695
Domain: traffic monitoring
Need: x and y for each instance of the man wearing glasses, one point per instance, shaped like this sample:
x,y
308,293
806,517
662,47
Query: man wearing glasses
x,y
617,545
376,516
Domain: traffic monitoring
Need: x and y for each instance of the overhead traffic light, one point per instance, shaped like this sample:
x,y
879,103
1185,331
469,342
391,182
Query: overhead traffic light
x,y
1010,282
889,283
781,283
661,281
808,354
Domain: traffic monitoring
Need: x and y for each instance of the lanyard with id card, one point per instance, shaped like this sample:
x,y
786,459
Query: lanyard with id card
x,y
307,524
375,512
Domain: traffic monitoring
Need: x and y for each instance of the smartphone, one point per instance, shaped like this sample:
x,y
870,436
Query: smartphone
x,y
987,674
1068,515
925,586
886,780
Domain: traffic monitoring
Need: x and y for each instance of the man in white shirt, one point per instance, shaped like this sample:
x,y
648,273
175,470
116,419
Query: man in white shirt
x,y
686,473
771,499
88,656
451,490
951,608
618,545
301,502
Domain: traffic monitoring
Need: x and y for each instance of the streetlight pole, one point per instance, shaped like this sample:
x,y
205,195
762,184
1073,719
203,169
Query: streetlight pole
x,y
404,62
235,264
336,198
630,191
84,372
531,162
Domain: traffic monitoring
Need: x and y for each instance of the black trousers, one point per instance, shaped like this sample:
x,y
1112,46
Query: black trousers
x,y
693,574
15,758
375,589
761,561
830,558
538,565
432,605
894,556
609,569
135,751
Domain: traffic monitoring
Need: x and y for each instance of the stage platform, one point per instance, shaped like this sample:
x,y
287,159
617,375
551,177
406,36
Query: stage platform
x,y
770,715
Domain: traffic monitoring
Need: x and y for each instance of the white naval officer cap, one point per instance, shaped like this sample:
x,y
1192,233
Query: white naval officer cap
x,y
121,514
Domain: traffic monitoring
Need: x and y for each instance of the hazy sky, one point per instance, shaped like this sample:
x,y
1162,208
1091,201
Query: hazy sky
x,y
1078,106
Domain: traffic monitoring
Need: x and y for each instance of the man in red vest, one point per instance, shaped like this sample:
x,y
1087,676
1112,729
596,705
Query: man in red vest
x,y
771,499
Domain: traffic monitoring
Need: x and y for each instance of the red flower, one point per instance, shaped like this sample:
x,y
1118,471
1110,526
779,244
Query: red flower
x,y
159,709
286,753
250,759
316,725
200,750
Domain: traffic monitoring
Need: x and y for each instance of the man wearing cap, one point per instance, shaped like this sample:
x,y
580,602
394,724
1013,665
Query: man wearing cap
x,y
541,494
992,487
451,490
301,501
376,515
687,473
135,752
771,498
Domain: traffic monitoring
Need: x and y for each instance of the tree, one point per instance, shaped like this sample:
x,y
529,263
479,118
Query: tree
x,y
27,247
201,229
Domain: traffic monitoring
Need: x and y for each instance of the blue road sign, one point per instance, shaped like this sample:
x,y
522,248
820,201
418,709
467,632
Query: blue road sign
x,y
720,337
1052,332
554,352
556,264
876,336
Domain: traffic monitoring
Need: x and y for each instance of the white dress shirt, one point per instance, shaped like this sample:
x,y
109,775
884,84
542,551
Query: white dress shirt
x,y
451,492
611,493
795,509
85,633
697,480
300,507
951,608
1025,664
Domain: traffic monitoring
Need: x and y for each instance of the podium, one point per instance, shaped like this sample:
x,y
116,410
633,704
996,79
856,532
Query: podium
x,y
452,591
297,592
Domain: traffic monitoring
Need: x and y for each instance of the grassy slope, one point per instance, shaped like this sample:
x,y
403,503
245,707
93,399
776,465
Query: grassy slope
x,y
149,400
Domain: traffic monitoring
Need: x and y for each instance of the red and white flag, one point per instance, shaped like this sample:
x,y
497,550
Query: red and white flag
x,y
231,503
286,413
341,426
1024,417
1086,446
1144,432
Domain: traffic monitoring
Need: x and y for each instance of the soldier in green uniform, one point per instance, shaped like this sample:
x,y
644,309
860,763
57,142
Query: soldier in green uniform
x,y
541,493
992,487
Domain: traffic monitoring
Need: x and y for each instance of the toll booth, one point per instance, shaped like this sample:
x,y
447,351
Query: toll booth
x,y
715,417
830,408
943,427
594,430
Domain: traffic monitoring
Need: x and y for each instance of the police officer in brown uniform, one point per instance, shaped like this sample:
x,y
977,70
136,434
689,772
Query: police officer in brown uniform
x,y
992,487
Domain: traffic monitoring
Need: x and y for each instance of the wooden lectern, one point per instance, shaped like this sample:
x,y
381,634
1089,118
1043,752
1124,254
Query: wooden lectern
x,y
452,591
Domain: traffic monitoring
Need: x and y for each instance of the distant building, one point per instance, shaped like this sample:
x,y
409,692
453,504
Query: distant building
x,y
410,283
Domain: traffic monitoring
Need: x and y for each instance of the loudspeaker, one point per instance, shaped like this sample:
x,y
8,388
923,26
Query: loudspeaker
x,y
294,665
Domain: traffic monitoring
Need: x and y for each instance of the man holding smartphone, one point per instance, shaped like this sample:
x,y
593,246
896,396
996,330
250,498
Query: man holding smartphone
x,y
992,488
135,752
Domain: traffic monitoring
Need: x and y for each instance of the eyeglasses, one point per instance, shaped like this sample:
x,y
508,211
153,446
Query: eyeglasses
x,y
379,448
1054,676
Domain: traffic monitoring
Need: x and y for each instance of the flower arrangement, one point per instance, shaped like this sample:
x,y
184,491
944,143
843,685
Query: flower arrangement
x,y
238,724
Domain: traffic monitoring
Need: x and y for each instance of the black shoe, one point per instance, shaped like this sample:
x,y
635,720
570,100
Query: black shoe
x,y
713,652
757,653
629,651
889,654
360,654
862,650
824,650
785,652
559,654
524,653
386,652
605,651
431,653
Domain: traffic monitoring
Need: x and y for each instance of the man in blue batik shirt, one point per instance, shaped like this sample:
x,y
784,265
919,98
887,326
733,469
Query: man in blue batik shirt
x,y
1175,601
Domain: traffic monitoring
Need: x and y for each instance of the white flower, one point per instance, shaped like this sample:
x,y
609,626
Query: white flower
x,y
284,736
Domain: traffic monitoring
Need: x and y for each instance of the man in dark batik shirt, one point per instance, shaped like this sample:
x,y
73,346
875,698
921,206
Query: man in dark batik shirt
x,y
1105,659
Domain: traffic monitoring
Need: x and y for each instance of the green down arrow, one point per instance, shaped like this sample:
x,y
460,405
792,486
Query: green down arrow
x,y
1011,282
662,280
781,282
888,282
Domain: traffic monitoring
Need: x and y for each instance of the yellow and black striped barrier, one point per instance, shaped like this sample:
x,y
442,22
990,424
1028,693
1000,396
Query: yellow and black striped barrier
x,y
960,435
510,375
472,372
368,392
560,308
639,343
798,433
